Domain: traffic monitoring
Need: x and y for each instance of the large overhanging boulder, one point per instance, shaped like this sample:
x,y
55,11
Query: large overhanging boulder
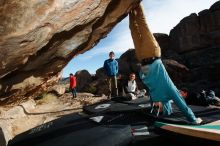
x,y
39,37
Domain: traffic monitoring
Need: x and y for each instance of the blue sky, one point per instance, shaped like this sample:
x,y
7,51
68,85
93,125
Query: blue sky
x,y
161,15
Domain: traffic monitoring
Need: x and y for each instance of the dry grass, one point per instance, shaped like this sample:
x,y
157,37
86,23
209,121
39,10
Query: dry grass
x,y
47,98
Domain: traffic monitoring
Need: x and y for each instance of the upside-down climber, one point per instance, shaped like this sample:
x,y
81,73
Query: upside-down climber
x,y
153,73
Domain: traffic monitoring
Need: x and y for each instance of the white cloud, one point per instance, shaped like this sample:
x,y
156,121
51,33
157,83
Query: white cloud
x,y
163,15
120,42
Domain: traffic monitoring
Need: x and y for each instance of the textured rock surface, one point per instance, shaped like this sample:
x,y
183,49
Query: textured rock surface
x,y
196,43
83,78
38,38
197,31
59,90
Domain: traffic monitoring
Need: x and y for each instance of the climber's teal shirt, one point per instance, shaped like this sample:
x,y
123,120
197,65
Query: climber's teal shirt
x,y
161,88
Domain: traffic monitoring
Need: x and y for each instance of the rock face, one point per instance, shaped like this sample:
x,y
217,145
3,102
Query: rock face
x,y
38,38
195,43
196,40
83,78
128,63
197,31
58,90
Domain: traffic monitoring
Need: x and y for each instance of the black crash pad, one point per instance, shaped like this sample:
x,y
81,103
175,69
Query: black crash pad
x,y
109,106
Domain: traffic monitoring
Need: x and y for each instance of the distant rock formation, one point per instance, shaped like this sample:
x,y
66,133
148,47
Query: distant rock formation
x,y
38,38
83,78
197,40
197,31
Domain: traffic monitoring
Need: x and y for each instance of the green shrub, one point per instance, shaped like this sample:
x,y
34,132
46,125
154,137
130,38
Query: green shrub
x,y
91,89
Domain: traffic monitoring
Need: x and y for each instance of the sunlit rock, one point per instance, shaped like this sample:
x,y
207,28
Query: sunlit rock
x,y
38,38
